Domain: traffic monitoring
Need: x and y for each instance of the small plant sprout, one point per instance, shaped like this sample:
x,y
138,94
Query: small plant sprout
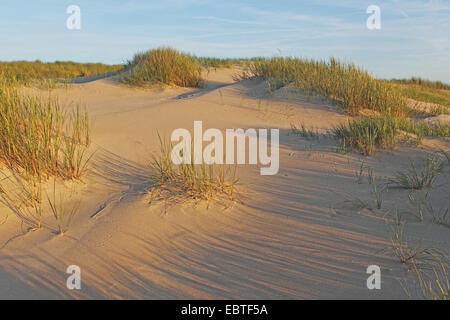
x,y
446,155
355,202
416,202
359,173
439,216
378,193
61,213
370,175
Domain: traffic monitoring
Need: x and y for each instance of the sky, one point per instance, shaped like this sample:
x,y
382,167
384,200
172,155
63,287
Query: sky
x,y
414,39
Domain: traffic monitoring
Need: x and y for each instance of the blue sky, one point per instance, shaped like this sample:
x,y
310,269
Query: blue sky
x,y
414,39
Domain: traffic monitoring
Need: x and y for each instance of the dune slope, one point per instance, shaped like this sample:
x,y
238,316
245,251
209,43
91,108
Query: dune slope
x,y
290,236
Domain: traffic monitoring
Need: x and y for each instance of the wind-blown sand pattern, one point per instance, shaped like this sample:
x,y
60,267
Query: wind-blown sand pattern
x,y
290,236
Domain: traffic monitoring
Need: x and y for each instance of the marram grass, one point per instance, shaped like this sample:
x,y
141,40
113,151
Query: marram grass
x,y
419,176
423,83
366,134
353,87
196,182
163,66
27,72
37,137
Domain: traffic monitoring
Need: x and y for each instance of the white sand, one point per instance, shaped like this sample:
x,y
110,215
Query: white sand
x,y
290,237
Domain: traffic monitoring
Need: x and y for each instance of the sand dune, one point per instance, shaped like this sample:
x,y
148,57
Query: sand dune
x,y
290,236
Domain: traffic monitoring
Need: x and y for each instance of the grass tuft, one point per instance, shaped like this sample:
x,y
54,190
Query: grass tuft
x,y
197,182
354,88
365,134
210,62
27,72
303,131
418,177
40,139
423,83
163,66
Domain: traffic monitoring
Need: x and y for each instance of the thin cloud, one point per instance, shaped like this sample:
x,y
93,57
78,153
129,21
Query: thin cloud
x,y
218,19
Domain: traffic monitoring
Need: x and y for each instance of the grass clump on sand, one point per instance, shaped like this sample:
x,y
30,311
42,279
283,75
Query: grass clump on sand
x,y
423,83
419,177
434,92
356,90
39,141
353,87
436,286
209,62
367,133
303,131
422,128
429,265
163,66
189,181
27,72
426,94
38,138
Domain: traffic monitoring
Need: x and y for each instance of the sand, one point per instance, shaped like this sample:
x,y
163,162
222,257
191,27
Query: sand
x,y
290,236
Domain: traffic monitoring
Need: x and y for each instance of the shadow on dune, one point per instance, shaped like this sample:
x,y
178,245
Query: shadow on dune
x,y
117,169
32,277
208,87
281,245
